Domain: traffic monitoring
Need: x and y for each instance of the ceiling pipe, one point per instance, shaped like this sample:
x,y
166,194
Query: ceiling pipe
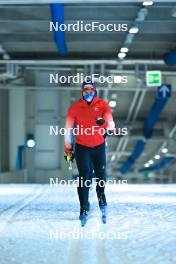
x,y
170,58
37,2
57,14
82,62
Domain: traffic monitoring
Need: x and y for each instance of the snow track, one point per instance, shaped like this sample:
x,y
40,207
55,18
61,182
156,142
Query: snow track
x,y
11,211
39,224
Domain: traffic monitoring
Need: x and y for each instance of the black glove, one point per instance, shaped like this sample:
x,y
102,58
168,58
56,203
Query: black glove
x,y
100,121
107,133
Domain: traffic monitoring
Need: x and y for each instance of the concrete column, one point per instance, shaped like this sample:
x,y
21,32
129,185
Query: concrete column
x,y
45,108
63,108
4,137
30,129
16,123
46,114
47,146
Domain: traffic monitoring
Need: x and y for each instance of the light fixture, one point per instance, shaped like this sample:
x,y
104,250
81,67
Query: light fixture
x,y
113,157
133,30
164,150
147,3
114,95
151,162
30,141
112,103
146,165
6,56
157,156
124,49
121,55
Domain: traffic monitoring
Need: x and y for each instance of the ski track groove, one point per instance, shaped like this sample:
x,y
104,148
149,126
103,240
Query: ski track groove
x,y
17,207
76,244
100,246
16,203
95,251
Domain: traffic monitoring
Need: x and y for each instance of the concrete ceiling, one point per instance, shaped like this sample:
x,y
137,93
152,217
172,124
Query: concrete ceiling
x,y
27,34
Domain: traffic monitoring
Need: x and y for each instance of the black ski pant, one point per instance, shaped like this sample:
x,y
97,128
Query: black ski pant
x,y
86,159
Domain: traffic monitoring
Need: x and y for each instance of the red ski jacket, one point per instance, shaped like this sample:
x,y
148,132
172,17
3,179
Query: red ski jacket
x,y
83,117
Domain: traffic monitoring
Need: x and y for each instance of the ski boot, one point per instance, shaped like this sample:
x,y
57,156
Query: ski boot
x,y
103,209
88,207
83,216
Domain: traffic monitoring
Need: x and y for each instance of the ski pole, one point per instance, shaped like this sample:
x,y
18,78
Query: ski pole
x,y
69,162
69,158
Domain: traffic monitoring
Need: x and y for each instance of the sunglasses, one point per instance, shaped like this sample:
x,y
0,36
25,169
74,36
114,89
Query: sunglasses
x,y
88,89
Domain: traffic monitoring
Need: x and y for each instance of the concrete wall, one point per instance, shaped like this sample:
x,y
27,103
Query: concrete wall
x,y
45,108
16,123
4,138
13,177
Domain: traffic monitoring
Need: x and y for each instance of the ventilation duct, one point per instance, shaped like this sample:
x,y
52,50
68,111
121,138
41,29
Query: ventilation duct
x,y
134,156
57,15
153,116
170,58
149,124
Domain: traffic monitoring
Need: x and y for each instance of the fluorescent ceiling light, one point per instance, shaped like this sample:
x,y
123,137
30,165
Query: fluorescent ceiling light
x,y
146,165
30,143
150,162
164,150
113,157
6,56
122,55
114,95
124,49
112,103
147,3
134,30
157,157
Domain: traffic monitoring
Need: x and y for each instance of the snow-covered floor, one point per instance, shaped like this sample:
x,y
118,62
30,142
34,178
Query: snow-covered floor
x,y
39,224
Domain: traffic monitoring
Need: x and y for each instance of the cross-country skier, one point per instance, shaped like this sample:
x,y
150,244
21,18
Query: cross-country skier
x,y
93,118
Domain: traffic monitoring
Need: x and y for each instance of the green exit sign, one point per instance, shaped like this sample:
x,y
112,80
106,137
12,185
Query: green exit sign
x,y
153,78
